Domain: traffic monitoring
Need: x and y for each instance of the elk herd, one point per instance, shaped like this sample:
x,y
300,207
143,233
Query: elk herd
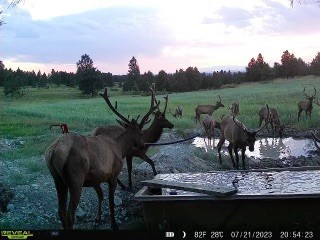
x,y
76,161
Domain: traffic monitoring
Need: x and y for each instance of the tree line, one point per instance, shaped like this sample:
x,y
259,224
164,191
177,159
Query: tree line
x,y
90,80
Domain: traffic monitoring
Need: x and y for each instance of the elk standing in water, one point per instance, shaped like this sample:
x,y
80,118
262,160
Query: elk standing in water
x,y
272,119
209,124
76,161
306,104
150,135
207,109
238,136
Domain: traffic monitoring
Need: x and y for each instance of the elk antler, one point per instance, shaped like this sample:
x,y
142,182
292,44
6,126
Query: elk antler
x,y
317,102
304,92
166,104
219,98
151,109
106,98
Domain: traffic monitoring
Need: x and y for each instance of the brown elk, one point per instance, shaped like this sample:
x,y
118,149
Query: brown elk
x,y
207,109
316,139
177,112
76,161
238,136
306,104
209,124
150,135
234,108
273,119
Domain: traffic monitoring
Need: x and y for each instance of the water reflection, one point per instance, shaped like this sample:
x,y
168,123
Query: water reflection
x,y
274,148
253,183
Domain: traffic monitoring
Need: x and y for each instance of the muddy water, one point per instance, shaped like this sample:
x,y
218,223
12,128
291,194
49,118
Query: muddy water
x,y
274,148
253,182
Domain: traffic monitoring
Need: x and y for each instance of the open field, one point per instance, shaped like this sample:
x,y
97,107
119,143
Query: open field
x,y
31,115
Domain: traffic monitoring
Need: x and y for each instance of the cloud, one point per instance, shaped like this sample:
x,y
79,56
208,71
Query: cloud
x,y
109,34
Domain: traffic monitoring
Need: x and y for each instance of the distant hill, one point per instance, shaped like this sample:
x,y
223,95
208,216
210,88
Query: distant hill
x,y
224,68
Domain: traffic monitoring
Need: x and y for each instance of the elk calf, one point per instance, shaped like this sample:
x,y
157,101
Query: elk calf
x,y
306,104
238,136
207,109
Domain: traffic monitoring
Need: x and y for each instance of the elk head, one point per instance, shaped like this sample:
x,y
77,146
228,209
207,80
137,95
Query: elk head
x,y
307,96
250,134
219,103
133,125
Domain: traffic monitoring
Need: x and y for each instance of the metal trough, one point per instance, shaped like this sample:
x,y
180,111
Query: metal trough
x,y
259,199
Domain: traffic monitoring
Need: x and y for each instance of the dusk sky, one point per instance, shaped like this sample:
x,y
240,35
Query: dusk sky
x,y
162,35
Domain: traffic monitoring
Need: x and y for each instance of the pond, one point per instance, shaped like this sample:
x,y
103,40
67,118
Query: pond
x,y
274,148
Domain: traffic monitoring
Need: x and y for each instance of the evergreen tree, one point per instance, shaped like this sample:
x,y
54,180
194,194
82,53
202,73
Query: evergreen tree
x,y
88,79
133,76
315,65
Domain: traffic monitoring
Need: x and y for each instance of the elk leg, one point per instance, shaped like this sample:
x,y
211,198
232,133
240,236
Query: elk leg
x,y
148,160
129,166
75,189
123,187
299,114
62,192
112,187
100,198
220,143
243,153
235,149
230,147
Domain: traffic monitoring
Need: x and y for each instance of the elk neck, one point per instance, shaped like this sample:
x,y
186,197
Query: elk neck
x,y
152,134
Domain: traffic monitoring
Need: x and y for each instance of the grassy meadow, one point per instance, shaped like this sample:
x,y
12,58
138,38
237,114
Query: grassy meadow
x,y
30,116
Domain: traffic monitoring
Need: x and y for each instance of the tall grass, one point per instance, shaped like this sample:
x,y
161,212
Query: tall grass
x,y
31,115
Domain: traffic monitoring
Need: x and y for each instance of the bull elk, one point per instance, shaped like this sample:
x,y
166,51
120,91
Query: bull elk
x,y
150,135
76,161
273,119
316,139
177,112
238,136
207,109
306,104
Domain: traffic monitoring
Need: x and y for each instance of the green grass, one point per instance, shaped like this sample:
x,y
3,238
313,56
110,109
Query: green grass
x,y
31,115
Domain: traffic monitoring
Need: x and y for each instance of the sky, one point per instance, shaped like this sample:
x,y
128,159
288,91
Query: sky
x,y
162,35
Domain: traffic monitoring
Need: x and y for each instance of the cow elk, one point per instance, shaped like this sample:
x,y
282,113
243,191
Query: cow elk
x,y
238,136
306,104
207,109
177,112
209,124
234,108
150,135
76,161
273,119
